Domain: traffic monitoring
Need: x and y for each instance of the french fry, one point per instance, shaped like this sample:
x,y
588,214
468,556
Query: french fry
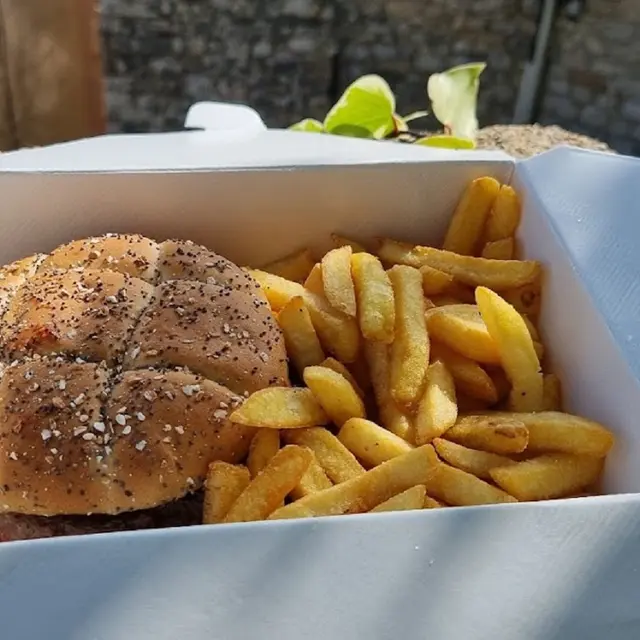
x,y
337,281
295,266
469,270
443,301
277,290
501,383
271,486
337,461
478,463
461,293
460,489
495,433
526,299
391,416
551,392
224,483
280,408
313,480
470,378
505,214
342,241
468,220
548,476
467,404
370,443
535,334
434,281
564,433
462,329
314,283
301,340
367,490
334,393
504,249
338,367
339,334
438,410
409,500
516,349
409,355
375,298
264,445
360,371
431,503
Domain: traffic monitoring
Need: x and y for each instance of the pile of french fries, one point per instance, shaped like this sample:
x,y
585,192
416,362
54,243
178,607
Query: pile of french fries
x,y
420,383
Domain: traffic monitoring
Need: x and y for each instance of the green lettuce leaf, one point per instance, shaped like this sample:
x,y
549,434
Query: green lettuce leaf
x,y
308,124
446,142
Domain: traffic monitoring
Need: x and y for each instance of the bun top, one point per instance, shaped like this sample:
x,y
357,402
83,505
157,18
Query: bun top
x,y
121,360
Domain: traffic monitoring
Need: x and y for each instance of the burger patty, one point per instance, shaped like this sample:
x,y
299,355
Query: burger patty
x,y
184,512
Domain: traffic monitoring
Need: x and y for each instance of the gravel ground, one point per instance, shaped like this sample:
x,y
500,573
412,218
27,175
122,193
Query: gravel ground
x,y
521,141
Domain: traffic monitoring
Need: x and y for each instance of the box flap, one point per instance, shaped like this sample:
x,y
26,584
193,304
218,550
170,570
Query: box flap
x,y
227,136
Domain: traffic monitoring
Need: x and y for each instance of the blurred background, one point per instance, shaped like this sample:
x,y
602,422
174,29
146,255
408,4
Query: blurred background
x,y
71,68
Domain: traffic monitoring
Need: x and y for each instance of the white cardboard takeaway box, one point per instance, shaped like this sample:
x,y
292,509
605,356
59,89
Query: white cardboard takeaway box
x,y
561,569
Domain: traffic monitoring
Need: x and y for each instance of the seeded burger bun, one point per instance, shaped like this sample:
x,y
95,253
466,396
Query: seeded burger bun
x,y
122,359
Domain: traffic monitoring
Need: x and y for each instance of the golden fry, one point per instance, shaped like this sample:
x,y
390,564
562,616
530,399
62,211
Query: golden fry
x,y
549,476
391,416
337,461
295,267
271,486
301,340
516,349
280,408
468,220
225,482
504,249
470,378
551,392
335,394
369,489
434,282
409,500
337,281
504,217
563,432
410,349
460,489
478,463
438,410
462,329
474,272
341,241
496,433
431,503
277,290
338,367
375,298
339,334
526,298
370,443
313,480
314,283
264,445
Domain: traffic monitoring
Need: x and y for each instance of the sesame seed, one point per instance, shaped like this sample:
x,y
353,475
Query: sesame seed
x,y
141,445
62,385
80,361
190,389
263,356
167,427
121,419
45,434
111,299
167,439
57,402
150,396
28,375
135,351
99,426
169,395
83,418
226,328
220,414
141,417
179,429
80,399
89,436
54,451
79,430
191,481
127,430
13,455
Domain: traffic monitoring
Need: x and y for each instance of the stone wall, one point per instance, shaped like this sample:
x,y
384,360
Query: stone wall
x,y
291,58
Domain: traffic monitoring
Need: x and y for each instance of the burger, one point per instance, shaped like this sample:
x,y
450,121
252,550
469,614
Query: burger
x,y
121,360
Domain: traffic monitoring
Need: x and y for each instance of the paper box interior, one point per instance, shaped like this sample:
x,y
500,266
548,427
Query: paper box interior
x,y
225,581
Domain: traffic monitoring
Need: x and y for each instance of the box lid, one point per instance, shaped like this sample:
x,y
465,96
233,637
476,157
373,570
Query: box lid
x,y
221,136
